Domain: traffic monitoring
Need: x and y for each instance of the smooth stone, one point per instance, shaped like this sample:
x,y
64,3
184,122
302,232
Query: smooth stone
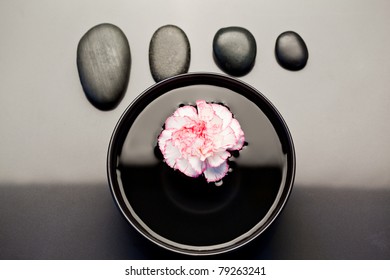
x,y
291,51
169,53
234,50
104,62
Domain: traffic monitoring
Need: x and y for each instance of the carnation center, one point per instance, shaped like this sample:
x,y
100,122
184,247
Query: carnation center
x,y
194,140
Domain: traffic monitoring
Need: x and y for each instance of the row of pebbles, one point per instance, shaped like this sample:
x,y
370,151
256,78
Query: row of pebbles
x,y
104,57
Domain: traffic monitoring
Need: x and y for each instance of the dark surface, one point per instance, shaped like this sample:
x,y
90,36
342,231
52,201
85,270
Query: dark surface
x,y
82,222
291,51
234,50
103,62
169,52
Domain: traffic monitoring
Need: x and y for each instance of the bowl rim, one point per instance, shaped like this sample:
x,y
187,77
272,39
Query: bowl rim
x,y
212,79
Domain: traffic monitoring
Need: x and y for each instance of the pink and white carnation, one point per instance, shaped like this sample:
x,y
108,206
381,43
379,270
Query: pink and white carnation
x,y
198,140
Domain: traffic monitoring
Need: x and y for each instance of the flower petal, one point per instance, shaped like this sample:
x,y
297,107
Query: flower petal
x,y
196,164
223,113
184,166
186,111
214,125
171,154
217,159
227,138
214,174
163,138
240,143
176,122
235,125
205,111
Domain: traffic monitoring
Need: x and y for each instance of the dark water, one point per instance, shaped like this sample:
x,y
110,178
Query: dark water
x,y
191,211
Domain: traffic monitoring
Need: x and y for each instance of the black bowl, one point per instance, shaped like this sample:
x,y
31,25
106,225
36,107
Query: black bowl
x,y
189,215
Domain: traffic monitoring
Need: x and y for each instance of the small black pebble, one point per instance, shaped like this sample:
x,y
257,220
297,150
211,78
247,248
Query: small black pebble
x,y
235,153
291,51
234,50
169,53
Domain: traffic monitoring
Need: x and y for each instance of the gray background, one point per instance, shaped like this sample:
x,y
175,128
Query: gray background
x,y
54,199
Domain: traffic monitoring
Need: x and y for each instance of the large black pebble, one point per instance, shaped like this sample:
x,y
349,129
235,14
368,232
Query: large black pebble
x,y
234,50
104,62
169,52
291,51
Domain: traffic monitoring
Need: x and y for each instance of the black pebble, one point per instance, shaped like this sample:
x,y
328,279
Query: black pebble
x,y
103,62
234,50
291,51
169,52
